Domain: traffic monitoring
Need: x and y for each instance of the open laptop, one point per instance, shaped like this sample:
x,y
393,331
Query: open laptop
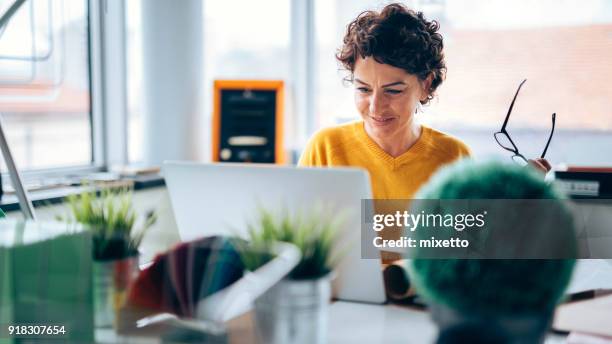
x,y
220,199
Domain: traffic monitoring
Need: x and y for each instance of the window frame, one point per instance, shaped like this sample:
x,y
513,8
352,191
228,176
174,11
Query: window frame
x,y
107,114
303,45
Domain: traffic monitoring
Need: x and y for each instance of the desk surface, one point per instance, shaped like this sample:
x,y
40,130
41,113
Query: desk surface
x,y
349,322
362,323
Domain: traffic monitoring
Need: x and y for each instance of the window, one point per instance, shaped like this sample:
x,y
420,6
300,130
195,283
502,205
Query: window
x,y
334,99
250,43
562,48
45,84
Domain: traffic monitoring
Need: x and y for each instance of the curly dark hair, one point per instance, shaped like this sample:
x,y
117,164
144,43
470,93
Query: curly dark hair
x,y
399,37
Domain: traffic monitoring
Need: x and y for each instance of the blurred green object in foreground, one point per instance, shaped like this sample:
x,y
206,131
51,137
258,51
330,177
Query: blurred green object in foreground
x,y
496,286
45,278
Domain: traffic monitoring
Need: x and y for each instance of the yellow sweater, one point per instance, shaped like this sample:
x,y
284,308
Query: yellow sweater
x,y
391,178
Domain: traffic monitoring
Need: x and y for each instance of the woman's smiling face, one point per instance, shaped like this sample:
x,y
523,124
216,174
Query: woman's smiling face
x,y
386,97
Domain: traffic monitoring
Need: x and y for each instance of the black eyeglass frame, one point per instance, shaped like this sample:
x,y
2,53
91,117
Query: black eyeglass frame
x,y
503,131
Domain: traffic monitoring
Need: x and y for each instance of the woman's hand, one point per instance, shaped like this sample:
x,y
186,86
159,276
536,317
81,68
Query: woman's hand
x,y
540,164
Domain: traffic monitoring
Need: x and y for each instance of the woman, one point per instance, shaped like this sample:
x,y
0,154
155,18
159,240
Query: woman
x,y
396,63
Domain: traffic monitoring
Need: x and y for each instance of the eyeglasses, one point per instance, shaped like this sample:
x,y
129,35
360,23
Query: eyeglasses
x,y
503,138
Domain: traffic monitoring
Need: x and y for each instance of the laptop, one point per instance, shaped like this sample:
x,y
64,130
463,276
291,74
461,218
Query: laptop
x,y
220,199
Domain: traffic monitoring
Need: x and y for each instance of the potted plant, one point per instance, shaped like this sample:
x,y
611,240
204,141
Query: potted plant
x,y
116,235
295,309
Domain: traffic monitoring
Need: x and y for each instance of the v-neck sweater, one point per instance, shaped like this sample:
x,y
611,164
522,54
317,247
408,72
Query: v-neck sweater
x,y
391,177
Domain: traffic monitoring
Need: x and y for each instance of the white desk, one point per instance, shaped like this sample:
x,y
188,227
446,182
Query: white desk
x,y
362,323
349,322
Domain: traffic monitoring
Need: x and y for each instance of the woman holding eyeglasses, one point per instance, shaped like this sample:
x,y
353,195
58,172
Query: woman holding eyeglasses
x,y
396,62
